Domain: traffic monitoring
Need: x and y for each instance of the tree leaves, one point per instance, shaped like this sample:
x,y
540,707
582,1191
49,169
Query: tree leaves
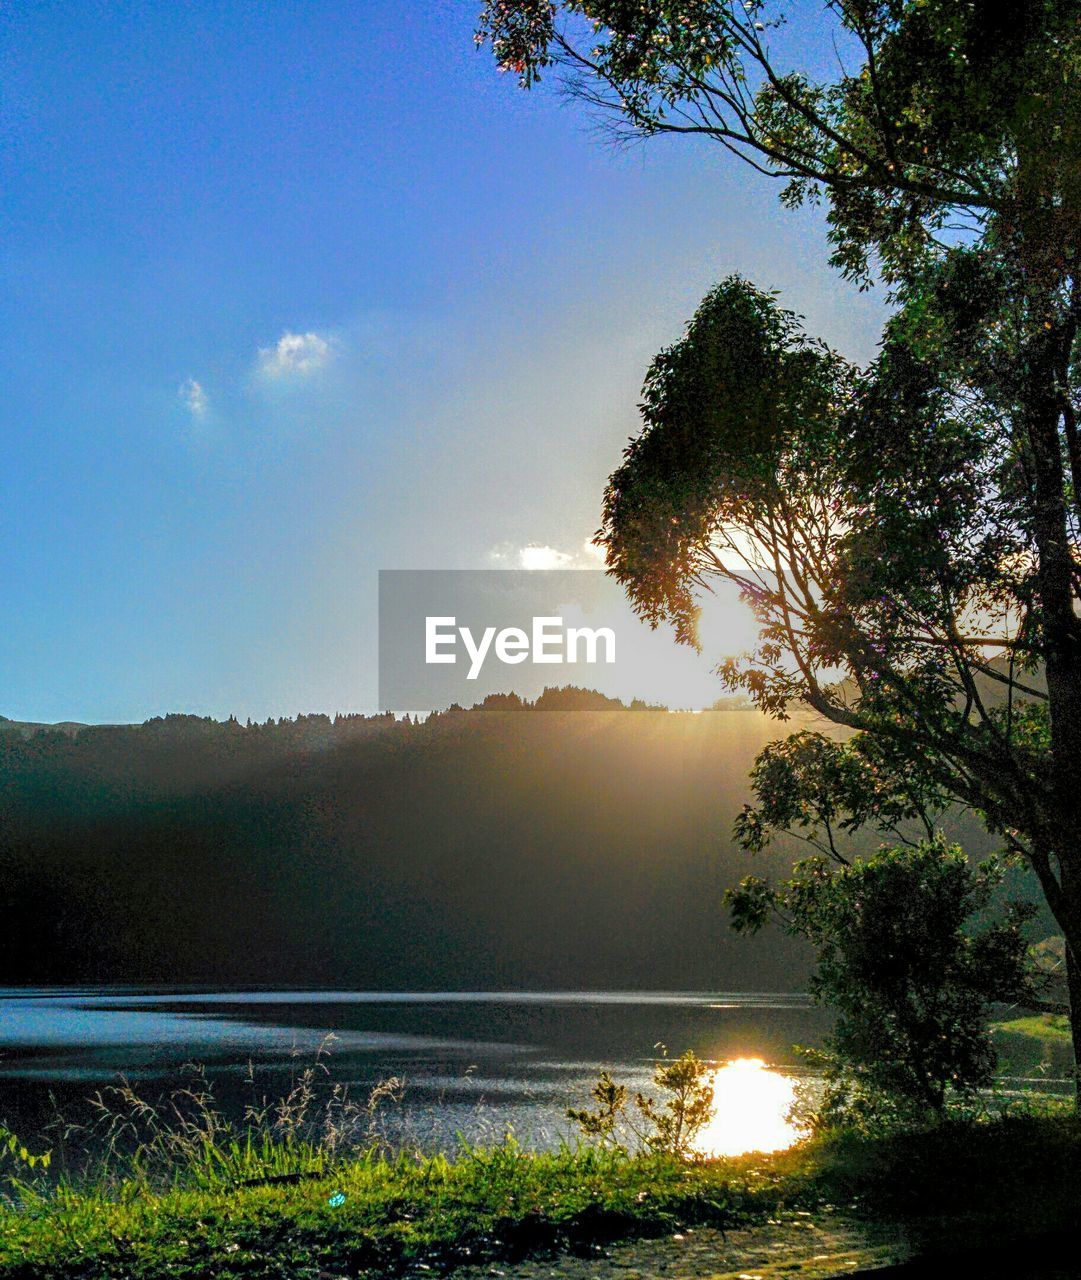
x,y
901,957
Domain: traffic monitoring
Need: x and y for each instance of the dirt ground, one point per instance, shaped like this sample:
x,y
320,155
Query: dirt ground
x,y
796,1247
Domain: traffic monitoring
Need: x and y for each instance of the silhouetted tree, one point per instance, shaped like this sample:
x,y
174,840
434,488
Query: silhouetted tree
x,y
908,534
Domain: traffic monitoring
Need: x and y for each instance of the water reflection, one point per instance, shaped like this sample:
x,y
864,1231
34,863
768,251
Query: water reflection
x,y
751,1110
476,1063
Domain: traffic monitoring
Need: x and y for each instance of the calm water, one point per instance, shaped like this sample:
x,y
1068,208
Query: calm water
x,y
474,1063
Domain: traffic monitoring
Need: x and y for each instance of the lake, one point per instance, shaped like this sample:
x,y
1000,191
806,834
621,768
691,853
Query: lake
x,y
473,1063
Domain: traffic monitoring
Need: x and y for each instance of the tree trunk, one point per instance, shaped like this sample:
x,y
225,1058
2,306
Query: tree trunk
x,y
1071,928
1073,981
1046,348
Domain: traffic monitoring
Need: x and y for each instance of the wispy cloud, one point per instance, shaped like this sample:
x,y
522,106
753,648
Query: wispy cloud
x,y
295,355
194,398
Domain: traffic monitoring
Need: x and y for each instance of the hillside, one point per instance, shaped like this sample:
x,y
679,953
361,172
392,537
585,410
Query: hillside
x,y
569,843
506,846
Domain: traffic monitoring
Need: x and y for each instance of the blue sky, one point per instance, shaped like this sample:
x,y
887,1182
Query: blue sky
x,y
295,292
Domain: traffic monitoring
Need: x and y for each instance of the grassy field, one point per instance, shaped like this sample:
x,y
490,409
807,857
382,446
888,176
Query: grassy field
x,y
1043,1026
1037,1044
410,1215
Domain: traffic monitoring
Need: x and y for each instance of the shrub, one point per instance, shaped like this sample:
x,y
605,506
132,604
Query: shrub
x,y
668,1126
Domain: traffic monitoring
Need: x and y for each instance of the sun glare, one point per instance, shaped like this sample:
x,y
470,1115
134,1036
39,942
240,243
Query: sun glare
x,y
751,1106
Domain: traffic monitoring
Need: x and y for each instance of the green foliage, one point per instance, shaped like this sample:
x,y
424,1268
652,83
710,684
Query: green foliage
x,y
600,1124
186,1139
373,1214
670,1125
1035,1046
871,521
931,107
305,1186
901,955
823,790
723,409
396,1216
686,1105
886,536
908,535
17,1151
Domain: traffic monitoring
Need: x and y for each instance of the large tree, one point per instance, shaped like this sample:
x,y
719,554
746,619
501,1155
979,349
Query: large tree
x,y
908,533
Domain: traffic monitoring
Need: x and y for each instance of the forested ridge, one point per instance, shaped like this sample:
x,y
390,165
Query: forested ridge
x,y
572,842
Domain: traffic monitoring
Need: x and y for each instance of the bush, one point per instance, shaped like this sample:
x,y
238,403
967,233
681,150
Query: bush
x,y
669,1126
912,976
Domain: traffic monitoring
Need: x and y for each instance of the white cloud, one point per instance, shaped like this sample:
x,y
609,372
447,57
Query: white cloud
x,y
533,557
537,556
295,355
194,397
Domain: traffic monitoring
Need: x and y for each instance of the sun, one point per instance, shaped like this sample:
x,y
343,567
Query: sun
x,y
751,1111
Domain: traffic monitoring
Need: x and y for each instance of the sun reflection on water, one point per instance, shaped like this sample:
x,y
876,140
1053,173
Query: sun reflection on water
x,y
751,1107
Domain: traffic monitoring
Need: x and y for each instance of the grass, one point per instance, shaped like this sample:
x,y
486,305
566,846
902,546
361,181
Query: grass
x,y
376,1214
1035,1045
1041,1026
309,1186
386,1215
